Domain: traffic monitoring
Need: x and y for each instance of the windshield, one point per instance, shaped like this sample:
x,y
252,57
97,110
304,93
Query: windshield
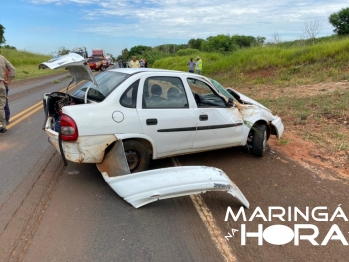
x,y
221,89
94,60
107,82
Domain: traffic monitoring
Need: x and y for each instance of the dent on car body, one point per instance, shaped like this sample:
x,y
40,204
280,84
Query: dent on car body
x,y
142,188
85,150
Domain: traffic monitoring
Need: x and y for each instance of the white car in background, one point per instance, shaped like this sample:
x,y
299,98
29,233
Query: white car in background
x,y
150,114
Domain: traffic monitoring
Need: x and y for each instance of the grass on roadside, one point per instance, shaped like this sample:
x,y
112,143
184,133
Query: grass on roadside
x,y
27,64
323,119
272,64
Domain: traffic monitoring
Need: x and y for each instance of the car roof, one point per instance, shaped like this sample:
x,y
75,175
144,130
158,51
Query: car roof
x,y
132,71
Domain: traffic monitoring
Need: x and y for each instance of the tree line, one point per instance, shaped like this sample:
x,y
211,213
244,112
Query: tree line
x,y
220,43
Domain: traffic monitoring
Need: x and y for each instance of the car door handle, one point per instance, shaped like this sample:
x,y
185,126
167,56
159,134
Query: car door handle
x,y
152,121
203,117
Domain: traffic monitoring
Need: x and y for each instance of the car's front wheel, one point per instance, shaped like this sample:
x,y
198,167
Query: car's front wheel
x,y
136,155
259,140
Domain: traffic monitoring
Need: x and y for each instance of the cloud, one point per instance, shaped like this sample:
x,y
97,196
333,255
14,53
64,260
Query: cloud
x,y
184,19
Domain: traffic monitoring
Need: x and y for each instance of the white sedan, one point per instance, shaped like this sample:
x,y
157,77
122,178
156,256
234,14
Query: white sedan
x,y
155,113
124,117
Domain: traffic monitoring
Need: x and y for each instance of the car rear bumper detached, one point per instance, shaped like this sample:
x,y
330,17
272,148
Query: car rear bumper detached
x,y
143,188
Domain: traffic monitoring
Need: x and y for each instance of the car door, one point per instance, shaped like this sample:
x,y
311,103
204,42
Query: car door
x,y
165,114
218,125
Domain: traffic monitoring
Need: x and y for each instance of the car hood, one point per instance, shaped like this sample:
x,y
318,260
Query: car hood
x,y
246,99
76,64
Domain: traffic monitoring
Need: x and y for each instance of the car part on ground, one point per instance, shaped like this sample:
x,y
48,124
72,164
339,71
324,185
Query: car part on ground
x,y
146,187
142,188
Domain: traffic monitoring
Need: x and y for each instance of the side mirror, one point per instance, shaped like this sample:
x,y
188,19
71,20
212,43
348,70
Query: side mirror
x,y
230,102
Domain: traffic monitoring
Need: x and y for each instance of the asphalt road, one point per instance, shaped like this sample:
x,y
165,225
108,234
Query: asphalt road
x,y
49,212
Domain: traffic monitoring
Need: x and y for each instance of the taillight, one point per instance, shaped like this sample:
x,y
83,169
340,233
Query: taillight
x,y
68,129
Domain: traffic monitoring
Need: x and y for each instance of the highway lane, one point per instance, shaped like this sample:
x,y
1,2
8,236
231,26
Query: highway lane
x,y
24,142
33,173
49,212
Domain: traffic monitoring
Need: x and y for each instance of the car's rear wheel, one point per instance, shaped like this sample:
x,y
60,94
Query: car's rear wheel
x,y
259,140
136,155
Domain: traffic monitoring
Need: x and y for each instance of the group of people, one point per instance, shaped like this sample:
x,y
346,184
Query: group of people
x,y
7,73
195,66
133,63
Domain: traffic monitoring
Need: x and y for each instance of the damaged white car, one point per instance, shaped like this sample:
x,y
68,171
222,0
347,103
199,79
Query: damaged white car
x,y
149,114
155,113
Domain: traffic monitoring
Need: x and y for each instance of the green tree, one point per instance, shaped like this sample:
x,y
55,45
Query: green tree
x,y
138,50
124,54
340,21
195,43
63,51
246,41
2,37
219,43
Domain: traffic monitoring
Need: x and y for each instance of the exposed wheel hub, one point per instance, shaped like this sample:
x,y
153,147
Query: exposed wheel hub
x,y
132,159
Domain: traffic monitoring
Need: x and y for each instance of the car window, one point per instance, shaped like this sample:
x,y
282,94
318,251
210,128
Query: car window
x,y
94,60
164,92
107,82
203,94
129,97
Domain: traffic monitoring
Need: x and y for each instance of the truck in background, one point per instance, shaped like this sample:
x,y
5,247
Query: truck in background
x,y
80,51
98,52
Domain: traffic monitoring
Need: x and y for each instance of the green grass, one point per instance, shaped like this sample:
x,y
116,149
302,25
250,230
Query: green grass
x,y
27,64
272,64
317,118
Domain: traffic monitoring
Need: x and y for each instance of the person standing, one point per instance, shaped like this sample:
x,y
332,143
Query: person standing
x,y
198,65
191,64
6,107
134,63
4,64
120,64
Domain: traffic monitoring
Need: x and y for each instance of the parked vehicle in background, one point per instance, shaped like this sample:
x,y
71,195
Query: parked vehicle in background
x,y
97,63
81,51
98,52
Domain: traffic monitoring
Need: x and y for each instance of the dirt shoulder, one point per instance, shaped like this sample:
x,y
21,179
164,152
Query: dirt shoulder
x,y
319,139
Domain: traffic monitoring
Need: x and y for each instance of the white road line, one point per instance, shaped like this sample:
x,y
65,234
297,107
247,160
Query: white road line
x,y
210,224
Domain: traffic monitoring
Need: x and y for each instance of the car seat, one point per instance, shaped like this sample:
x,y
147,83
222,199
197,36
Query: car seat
x,y
173,93
156,92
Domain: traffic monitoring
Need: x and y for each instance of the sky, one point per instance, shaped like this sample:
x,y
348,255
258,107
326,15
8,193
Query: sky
x,y
44,26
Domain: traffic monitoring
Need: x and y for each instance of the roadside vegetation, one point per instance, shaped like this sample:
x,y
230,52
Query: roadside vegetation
x,y
26,63
303,82
306,81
